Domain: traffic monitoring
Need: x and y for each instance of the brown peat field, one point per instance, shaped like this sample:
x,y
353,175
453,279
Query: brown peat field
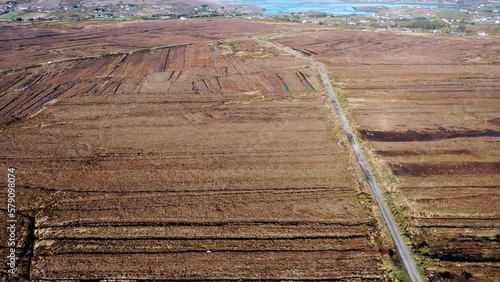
x,y
188,150
428,111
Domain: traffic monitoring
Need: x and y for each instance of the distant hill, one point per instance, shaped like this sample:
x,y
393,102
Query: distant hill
x,y
106,9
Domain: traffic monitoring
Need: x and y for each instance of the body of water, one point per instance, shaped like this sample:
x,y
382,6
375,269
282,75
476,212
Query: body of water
x,y
335,7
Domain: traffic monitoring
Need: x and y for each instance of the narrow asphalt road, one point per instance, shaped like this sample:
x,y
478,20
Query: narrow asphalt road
x,y
403,251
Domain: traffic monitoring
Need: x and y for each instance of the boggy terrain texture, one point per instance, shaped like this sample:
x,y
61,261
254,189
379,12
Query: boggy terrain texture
x,y
199,161
22,45
429,110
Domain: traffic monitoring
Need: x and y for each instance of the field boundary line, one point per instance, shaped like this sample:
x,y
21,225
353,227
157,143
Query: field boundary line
x,y
409,263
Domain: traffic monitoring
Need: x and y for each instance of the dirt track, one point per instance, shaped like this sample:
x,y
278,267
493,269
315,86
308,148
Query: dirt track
x,y
23,46
406,256
426,108
210,152
199,161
